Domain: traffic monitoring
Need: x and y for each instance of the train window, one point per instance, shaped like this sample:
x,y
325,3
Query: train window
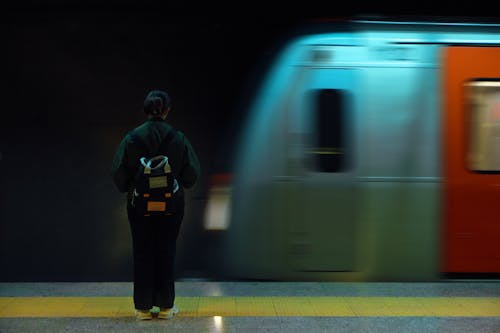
x,y
330,145
484,125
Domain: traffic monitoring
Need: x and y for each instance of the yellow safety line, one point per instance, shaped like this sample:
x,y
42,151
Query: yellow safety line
x,y
11,307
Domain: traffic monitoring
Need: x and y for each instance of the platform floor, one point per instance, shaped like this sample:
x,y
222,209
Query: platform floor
x,y
208,306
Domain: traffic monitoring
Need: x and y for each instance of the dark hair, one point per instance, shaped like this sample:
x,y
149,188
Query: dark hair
x,y
156,102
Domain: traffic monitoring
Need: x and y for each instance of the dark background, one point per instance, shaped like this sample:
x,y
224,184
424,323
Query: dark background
x,y
74,76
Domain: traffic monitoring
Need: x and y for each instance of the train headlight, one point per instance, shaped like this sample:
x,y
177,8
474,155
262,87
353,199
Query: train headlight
x,y
217,212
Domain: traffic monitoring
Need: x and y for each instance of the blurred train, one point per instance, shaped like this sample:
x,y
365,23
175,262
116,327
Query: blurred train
x,y
371,153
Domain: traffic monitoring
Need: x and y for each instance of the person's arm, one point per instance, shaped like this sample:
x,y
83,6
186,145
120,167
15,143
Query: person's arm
x,y
190,170
119,170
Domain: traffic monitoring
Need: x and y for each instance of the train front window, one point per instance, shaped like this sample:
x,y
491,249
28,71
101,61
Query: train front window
x,y
483,108
330,141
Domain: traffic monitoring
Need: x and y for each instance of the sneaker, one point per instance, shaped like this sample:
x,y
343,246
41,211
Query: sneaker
x,y
168,313
143,314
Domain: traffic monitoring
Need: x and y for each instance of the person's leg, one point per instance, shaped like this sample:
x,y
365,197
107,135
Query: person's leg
x,y
167,231
142,242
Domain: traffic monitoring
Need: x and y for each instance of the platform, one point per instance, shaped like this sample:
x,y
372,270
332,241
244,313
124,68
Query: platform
x,y
211,306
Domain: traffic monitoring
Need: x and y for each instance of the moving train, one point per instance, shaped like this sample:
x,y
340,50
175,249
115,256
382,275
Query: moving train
x,y
371,153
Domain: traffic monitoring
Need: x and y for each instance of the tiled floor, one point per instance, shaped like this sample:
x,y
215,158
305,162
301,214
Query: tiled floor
x,y
257,307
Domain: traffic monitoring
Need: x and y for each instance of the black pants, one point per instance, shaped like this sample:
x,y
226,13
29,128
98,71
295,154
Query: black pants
x,y
154,243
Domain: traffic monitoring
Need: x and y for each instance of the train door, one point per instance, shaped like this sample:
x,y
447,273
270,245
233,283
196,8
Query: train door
x,y
471,159
326,229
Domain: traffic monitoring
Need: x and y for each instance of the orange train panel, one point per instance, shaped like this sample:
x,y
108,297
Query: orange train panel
x,y
471,199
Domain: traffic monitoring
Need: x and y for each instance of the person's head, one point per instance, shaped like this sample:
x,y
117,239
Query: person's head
x,y
157,104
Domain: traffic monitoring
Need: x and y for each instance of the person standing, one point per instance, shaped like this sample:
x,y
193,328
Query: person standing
x,y
154,237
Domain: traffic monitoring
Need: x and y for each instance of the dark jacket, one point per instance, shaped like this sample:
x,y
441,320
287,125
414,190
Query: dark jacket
x,y
181,155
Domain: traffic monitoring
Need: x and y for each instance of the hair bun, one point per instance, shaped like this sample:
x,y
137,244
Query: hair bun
x,y
156,102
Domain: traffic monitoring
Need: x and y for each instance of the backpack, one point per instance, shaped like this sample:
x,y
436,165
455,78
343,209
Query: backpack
x,y
154,182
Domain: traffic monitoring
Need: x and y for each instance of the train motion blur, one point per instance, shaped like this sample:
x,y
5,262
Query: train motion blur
x,y
371,152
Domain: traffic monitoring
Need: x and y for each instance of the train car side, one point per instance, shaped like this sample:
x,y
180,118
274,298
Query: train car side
x,y
341,173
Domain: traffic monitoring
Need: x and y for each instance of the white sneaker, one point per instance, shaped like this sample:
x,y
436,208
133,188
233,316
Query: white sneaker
x,y
168,312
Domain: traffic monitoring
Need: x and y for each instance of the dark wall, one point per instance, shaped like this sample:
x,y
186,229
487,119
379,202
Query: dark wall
x,y
72,85
73,81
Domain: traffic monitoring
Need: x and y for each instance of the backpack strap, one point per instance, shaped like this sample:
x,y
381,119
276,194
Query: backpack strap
x,y
166,141
137,140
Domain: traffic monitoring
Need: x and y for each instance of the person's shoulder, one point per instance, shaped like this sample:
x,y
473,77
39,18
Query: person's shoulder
x,y
135,133
180,135
170,128
139,129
